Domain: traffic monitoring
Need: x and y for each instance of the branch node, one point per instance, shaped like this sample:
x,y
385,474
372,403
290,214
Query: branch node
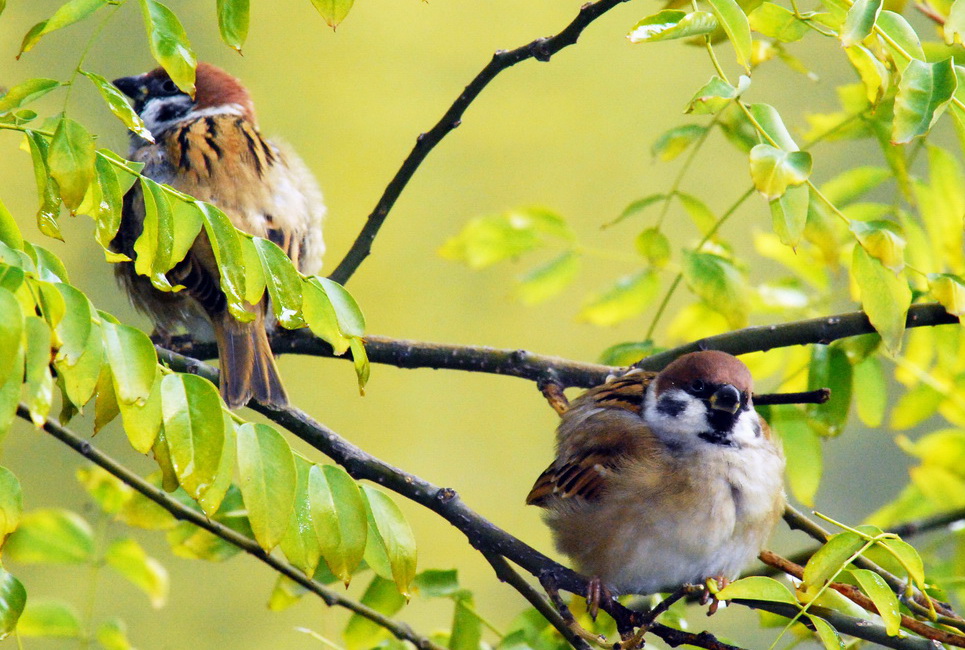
x,y
446,494
539,50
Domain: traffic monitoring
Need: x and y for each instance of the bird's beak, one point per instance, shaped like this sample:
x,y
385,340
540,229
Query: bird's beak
x,y
134,87
727,398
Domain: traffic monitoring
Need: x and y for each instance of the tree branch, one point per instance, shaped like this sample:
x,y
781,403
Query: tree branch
x,y
541,49
179,511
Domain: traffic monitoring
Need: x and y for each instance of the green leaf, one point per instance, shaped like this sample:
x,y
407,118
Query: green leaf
x,y
827,634
169,44
484,241
9,230
133,361
255,280
360,360
118,105
300,543
388,527
108,216
112,635
885,297
674,142
896,29
718,283
829,560
853,183
466,625
830,368
908,557
51,537
38,380
628,297
625,354
46,189
548,280
437,583
50,618
789,214
770,120
11,335
26,92
11,503
757,588
143,420
654,246
109,492
233,18
339,515
670,24
941,205
774,170
802,448
924,91
883,240
870,391
13,599
382,596
734,21
68,14
915,406
715,95
128,558
193,429
699,213
860,21
268,480
320,315
216,493
227,250
351,321
333,11
882,596
284,283
154,245
774,21
636,207
71,161
75,327
949,290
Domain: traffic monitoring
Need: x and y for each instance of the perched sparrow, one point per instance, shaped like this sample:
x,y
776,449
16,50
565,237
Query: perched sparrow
x,y
661,480
209,147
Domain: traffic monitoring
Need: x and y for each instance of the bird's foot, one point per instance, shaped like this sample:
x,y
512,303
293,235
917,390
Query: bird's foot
x,y
596,593
711,587
549,585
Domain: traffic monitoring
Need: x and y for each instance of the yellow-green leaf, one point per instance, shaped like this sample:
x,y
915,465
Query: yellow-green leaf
x,y
672,143
718,282
860,21
897,30
143,420
233,18
216,493
320,315
734,21
827,634
548,280
885,600
13,599
49,618
949,290
802,447
118,104
715,95
774,170
38,380
339,515
670,24
388,527
11,334
283,282
129,559
68,14
194,438
11,503
874,75
51,536
924,91
654,246
333,11
883,240
885,297
789,214
870,391
628,297
775,21
757,588
169,44
133,361
300,542
268,479
71,161
112,635
227,251
26,92
829,560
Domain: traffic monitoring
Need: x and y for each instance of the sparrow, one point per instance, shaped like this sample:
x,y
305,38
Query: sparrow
x,y
666,479
209,146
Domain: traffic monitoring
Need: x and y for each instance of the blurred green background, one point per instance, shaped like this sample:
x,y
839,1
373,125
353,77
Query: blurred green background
x,y
573,135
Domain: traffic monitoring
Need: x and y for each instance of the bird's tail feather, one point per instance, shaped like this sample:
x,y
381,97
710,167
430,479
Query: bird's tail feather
x,y
248,369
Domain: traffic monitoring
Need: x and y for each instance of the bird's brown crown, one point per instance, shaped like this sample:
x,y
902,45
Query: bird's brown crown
x,y
214,87
711,366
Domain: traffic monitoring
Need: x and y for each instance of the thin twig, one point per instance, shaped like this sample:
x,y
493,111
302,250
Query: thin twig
x,y
181,512
541,49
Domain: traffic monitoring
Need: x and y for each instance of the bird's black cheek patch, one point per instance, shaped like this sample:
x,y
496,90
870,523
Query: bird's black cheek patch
x,y
670,406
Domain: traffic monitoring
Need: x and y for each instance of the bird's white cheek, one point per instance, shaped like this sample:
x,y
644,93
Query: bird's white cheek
x,y
747,429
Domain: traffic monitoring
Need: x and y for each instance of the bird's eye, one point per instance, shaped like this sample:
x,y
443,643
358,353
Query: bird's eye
x,y
697,386
169,87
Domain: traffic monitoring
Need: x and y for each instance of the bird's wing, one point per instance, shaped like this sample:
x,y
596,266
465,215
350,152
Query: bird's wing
x,y
601,429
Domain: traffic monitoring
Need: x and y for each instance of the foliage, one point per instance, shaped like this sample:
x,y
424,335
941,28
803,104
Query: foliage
x,y
883,234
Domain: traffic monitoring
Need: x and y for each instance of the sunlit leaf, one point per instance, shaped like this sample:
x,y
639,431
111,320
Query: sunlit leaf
x,y
284,283
826,633
828,561
908,557
628,297
143,420
860,21
395,535
949,290
853,183
885,297
360,361
133,361
13,599
49,618
362,633
112,635
941,205
268,480
770,120
774,170
11,503
699,213
924,91
51,537
169,44
108,491
789,214
897,30
156,242
718,282
320,315
757,588
485,241
333,11
548,280
194,438
300,542
227,251
670,24
351,321
233,18
47,190
885,600
672,143
38,380
25,93
339,515
11,334
883,240
654,246
118,104
775,21
874,74
68,14
71,161
734,21
131,561
715,95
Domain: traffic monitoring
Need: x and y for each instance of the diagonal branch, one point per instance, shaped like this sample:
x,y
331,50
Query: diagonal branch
x,y
181,512
541,49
